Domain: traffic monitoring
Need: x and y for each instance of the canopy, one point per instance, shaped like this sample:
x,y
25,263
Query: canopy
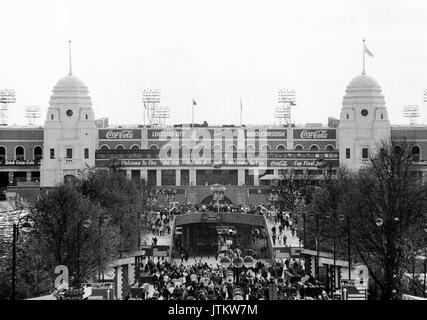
x,y
272,177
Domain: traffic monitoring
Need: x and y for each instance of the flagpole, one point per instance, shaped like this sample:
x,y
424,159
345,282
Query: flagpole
x,y
241,111
363,72
192,114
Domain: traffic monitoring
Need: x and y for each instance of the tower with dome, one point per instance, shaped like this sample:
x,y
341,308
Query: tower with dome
x,y
364,121
70,133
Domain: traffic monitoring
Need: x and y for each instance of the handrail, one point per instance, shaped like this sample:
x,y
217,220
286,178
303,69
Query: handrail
x,y
172,238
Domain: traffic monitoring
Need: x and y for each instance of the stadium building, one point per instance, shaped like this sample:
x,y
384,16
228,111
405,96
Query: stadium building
x,y
191,158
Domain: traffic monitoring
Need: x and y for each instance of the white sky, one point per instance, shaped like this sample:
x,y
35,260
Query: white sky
x,y
215,51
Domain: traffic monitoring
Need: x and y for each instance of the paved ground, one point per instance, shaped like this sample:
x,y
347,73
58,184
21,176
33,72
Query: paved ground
x,y
161,240
290,240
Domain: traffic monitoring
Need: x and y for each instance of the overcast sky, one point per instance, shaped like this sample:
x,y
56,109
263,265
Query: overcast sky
x,y
215,52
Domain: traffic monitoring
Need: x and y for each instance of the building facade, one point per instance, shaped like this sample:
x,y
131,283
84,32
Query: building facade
x,y
193,158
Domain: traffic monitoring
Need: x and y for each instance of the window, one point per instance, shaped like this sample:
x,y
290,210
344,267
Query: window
x,y
104,147
135,147
281,147
348,116
86,153
347,153
19,153
398,151
86,116
51,117
2,153
365,153
314,147
38,153
52,153
299,147
154,147
329,147
69,113
69,153
120,147
364,112
382,116
415,153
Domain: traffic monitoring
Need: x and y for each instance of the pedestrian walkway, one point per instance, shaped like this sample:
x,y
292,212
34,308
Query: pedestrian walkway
x,y
291,241
147,239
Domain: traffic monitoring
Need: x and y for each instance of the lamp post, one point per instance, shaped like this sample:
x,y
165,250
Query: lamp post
x,y
342,217
86,224
425,266
26,227
328,216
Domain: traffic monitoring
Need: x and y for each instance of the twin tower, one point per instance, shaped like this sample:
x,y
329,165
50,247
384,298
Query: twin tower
x,y
71,136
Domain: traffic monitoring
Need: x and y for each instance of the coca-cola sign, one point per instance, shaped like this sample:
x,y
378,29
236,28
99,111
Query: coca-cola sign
x,y
20,163
120,134
319,134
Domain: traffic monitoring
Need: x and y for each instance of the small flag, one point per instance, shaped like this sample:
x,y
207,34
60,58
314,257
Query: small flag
x,y
241,105
194,103
369,53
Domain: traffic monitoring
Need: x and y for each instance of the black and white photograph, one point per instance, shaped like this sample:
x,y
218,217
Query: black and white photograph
x,y
213,150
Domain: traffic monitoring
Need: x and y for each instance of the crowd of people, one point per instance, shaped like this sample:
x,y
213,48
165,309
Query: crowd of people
x,y
283,280
164,280
159,221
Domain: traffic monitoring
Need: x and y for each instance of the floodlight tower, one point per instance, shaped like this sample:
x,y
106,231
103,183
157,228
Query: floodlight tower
x,y
7,97
32,113
160,114
286,99
412,112
151,101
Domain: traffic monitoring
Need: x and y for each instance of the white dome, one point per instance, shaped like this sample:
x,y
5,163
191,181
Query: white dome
x,y
363,89
70,90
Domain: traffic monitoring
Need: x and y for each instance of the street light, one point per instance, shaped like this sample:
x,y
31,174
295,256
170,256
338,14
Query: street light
x,y
86,224
341,218
25,227
328,215
425,265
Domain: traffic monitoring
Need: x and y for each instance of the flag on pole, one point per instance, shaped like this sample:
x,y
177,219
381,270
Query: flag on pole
x,y
369,53
241,111
194,103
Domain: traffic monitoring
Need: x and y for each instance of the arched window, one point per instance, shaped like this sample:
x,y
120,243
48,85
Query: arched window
x,y
120,147
183,150
314,147
2,153
104,147
250,150
135,147
19,153
232,151
250,147
154,147
38,153
216,148
416,152
329,147
398,151
298,147
265,147
281,147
